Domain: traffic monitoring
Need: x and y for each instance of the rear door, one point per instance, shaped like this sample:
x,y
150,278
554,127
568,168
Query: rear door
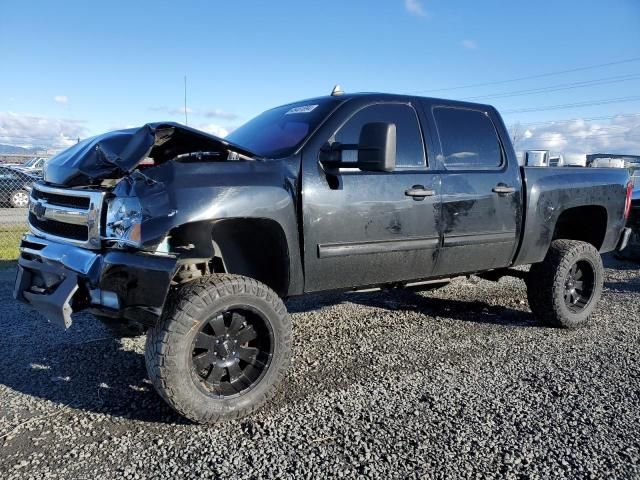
x,y
481,191
366,228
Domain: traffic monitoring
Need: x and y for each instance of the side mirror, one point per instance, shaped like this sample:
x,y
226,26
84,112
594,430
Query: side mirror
x,y
377,147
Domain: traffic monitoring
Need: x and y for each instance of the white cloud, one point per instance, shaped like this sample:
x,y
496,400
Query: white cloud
x,y
470,44
576,138
414,7
212,113
181,110
34,130
214,129
121,126
174,111
218,113
61,99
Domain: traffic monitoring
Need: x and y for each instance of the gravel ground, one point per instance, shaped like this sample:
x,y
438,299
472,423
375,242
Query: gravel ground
x,y
457,382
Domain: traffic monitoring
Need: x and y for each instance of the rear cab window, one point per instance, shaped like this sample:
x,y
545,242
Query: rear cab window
x,y
468,138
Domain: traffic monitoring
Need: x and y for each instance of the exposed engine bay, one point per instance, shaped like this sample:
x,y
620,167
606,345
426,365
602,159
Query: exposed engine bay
x,y
112,155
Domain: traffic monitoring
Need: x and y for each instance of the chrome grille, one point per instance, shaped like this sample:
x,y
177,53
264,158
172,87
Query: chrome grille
x,y
69,215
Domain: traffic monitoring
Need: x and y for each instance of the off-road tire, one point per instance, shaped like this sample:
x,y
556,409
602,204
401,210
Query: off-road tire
x,y
546,283
169,345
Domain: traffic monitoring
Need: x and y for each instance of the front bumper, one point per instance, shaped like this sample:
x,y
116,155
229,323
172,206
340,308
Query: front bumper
x,y
59,279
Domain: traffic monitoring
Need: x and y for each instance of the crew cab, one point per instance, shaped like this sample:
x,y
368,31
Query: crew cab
x,y
198,239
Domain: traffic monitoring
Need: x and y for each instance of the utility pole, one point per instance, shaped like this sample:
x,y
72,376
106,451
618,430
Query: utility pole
x,y
186,118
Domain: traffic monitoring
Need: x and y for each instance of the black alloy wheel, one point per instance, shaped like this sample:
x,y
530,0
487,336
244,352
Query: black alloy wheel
x,y
220,348
578,287
231,352
563,290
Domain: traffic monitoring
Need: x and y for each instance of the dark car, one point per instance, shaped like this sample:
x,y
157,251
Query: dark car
x,y
15,187
198,239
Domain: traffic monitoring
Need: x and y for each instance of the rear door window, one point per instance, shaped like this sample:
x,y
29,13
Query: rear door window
x,y
469,139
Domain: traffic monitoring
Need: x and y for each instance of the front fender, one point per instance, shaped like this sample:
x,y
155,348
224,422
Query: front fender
x,y
192,196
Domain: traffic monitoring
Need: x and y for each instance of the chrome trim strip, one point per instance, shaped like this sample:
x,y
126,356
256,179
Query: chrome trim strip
x,y
479,239
70,215
75,216
383,246
69,192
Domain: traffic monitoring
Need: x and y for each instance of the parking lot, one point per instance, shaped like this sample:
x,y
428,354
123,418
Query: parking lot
x,y
13,216
456,382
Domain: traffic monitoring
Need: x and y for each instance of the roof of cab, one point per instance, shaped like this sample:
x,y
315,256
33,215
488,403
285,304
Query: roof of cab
x,y
377,96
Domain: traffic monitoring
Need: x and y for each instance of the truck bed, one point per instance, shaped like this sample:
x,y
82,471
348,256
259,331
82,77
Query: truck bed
x,y
551,192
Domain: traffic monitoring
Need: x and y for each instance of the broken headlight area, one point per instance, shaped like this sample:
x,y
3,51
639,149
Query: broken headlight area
x,y
124,222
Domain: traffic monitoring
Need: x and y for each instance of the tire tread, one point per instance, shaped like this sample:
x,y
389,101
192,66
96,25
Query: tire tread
x,y
547,277
177,320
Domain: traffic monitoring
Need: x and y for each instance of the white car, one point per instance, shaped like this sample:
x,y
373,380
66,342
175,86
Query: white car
x,y
33,166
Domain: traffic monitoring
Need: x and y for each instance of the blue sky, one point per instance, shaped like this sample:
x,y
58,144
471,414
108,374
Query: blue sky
x,y
78,68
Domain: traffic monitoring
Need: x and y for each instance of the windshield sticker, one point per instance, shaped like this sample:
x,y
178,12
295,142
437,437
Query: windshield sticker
x,y
303,109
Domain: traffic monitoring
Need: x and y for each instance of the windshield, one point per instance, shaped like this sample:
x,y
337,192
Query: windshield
x,y
280,131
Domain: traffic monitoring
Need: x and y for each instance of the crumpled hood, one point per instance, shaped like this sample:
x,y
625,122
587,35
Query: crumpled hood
x,y
114,154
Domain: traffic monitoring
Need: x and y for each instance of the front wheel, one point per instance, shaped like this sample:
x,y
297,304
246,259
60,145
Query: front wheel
x,y
565,287
220,349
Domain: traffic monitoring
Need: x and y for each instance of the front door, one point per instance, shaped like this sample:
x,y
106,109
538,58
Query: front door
x,y
366,228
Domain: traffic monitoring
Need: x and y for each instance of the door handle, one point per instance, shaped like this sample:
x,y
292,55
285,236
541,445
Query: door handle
x,y
419,191
503,189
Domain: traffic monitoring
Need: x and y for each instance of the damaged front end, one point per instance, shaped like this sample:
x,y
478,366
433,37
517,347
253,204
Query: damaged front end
x,y
94,241
58,279
108,157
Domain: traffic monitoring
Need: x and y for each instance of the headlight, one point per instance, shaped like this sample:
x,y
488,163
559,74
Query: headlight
x,y
124,220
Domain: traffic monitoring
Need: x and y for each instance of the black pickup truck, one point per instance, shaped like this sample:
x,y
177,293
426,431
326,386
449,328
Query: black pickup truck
x,y
197,239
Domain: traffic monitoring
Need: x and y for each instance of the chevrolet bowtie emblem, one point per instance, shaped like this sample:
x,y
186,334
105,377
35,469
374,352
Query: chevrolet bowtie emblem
x,y
39,210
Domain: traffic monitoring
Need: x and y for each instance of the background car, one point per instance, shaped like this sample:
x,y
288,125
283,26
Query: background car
x,y
15,187
34,166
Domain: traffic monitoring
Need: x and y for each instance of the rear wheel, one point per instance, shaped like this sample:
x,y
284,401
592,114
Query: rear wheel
x,y
220,349
19,199
565,287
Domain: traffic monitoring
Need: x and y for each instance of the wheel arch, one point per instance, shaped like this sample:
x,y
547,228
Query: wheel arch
x,y
253,247
587,223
